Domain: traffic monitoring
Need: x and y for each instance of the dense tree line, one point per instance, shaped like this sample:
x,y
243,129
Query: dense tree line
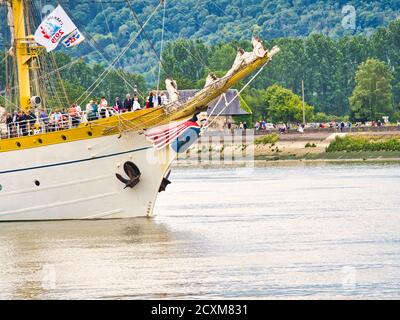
x,y
328,67
327,60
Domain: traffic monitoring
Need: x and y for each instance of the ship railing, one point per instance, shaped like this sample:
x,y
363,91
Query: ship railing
x,y
42,125
47,124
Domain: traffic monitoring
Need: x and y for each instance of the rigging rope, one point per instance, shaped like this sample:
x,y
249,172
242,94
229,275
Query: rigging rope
x,y
93,44
161,49
236,96
144,32
118,71
104,74
107,24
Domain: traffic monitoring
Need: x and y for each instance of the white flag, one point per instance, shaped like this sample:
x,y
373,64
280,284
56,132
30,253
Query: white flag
x,y
52,29
73,39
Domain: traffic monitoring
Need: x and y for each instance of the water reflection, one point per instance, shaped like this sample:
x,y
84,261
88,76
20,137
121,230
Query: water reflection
x,y
278,232
32,253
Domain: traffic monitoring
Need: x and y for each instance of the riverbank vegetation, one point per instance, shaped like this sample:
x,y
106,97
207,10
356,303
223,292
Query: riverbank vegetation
x,y
352,143
267,139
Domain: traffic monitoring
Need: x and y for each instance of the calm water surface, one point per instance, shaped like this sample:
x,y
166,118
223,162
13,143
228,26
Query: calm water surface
x,y
330,231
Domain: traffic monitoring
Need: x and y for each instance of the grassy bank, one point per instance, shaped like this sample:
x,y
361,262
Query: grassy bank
x,y
343,155
358,143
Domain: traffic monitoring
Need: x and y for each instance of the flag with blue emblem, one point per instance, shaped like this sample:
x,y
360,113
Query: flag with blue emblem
x,y
73,39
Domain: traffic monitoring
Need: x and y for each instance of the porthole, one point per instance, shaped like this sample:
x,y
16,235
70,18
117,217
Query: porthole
x,y
90,133
18,144
37,183
40,141
63,137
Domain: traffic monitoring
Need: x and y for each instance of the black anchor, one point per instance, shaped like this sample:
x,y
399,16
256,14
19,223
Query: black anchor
x,y
165,182
133,172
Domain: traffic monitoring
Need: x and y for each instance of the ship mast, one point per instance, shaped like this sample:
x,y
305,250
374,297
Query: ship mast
x,y
22,53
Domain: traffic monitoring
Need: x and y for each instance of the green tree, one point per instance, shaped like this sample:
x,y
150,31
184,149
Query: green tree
x,y
372,96
186,62
285,106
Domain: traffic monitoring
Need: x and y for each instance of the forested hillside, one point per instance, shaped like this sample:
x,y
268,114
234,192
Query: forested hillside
x,y
317,40
112,25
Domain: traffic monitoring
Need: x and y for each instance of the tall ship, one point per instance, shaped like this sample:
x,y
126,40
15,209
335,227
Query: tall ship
x,y
104,167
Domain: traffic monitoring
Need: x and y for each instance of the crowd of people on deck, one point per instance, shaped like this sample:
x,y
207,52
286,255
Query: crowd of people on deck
x,y
23,123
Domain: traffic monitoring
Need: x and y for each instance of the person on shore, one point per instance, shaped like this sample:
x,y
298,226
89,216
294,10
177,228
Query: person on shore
x,y
263,125
349,125
342,126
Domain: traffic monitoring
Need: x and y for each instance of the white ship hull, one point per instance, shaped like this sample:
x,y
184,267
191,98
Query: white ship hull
x,y
77,179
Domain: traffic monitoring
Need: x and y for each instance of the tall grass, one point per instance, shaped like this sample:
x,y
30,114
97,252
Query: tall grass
x,y
358,143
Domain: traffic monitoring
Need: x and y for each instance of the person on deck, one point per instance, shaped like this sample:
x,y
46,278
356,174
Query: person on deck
x,y
150,101
136,104
22,121
73,113
103,107
128,103
164,99
118,106
31,120
89,111
95,110
9,123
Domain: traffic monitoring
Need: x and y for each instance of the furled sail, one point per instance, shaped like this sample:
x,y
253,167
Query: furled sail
x,y
244,64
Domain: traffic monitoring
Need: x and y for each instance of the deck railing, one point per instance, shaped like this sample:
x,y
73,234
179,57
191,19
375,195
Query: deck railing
x,y
49,123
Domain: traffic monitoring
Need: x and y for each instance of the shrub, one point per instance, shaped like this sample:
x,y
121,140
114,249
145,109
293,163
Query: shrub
x,y
268,139
356,143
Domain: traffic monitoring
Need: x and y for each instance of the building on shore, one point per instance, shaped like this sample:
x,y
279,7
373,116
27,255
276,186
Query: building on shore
x,y
236,108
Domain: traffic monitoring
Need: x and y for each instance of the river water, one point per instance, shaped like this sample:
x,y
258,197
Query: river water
x,y
305,231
